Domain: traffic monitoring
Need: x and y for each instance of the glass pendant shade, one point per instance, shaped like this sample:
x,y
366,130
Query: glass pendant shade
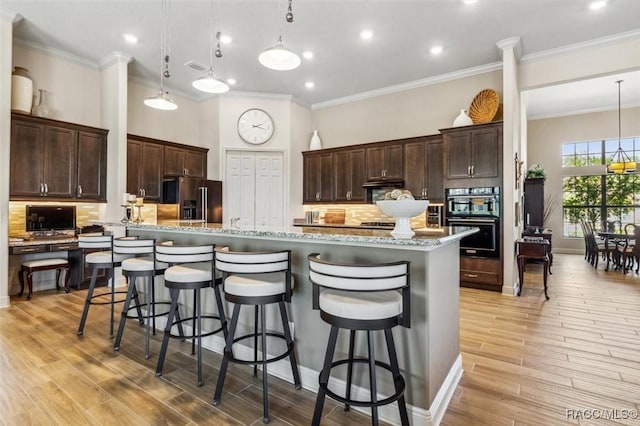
x,y
210,83
161,101
279,58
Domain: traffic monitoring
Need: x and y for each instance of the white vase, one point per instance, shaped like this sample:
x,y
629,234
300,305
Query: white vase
x,y
462,119
315,143
21,90
42,110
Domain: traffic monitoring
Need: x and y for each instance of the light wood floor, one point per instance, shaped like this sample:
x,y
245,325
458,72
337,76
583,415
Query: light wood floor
x,y
526,362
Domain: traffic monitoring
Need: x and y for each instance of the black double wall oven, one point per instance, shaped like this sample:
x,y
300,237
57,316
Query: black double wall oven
x,y
479,208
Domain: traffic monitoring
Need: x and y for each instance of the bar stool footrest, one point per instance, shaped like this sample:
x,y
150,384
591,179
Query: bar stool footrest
x,y
108,302
190,319
358,403
144,305
275,358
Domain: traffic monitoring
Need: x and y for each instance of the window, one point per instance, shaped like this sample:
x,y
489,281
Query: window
x,y
598,198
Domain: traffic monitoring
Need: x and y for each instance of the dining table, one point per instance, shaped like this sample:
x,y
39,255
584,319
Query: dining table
x,y
616,238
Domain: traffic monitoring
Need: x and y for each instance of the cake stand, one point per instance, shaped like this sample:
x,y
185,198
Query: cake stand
x,y
403,211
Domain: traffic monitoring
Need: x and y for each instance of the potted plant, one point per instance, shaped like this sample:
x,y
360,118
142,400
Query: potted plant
x,y
536,172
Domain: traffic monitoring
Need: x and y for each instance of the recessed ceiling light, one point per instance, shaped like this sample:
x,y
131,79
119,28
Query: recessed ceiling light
x,y
307,54
436,50
366,34
598,4
309,85
231,81
130,38
469,1
225,39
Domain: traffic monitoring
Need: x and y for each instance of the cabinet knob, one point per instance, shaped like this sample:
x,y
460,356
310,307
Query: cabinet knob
x,y
79,191
46,189
317,196
348,195
472,170
468,170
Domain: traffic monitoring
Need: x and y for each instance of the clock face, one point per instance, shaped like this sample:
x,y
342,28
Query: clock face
x,y
255,126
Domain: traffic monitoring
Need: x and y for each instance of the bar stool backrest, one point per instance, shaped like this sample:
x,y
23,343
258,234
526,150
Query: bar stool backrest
x,y
133,245
95,241
175,254
361,278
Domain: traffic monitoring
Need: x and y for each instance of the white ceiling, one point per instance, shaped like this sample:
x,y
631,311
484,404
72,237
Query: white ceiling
x,y
344,64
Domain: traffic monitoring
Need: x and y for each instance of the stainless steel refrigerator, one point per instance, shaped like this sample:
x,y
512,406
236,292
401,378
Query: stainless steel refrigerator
x,y
196,199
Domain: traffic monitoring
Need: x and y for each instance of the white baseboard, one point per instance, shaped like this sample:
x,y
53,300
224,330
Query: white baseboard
x,y
309,381
5,302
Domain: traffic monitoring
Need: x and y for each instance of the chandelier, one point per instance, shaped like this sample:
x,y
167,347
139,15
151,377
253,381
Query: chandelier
x,y
620,162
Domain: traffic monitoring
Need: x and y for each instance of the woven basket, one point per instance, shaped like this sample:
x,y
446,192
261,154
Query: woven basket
x,y
484,106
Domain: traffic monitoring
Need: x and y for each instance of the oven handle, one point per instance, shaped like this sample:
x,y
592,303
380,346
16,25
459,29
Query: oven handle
x,y
474,220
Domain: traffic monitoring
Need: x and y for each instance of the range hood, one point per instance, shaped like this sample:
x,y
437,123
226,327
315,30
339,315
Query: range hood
x,y
384,183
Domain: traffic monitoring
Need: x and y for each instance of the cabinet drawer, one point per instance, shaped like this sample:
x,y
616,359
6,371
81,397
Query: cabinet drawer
x,y
479,277
63,247
28,249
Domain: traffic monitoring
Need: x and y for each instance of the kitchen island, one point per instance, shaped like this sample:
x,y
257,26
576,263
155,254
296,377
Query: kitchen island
x,y
429,351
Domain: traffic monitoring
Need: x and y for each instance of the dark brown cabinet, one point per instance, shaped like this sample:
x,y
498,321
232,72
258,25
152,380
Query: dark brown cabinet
x,y
144,168
179,161
318,177
473,152
423,168
385,161
482,273
534,202
435,170
56,160
349,175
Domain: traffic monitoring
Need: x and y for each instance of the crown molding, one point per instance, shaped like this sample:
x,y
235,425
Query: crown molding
x,y
511,43
572,48
115,58
10,15
57,53
455,75
582,111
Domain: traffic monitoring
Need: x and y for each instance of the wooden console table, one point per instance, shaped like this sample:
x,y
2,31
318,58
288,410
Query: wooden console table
x,y
538,249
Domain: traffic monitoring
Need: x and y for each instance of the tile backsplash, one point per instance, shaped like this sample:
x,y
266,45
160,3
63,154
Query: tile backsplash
x,y
356,213
86,213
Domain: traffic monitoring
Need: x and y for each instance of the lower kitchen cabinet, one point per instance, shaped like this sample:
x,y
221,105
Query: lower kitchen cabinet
x,y
480,272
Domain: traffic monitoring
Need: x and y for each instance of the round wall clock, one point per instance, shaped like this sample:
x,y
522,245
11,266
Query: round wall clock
x,y
255,126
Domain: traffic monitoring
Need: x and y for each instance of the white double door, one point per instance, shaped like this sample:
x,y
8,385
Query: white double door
x,y
254,188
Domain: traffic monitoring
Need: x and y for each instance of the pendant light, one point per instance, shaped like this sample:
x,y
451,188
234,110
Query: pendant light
x,y
620,162
162,100
278,57
209,83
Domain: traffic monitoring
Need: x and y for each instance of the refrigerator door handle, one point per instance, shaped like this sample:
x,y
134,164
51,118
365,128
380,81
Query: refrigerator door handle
x,y
204,193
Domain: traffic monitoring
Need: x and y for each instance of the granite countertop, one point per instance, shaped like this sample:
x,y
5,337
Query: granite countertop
x,y
41,241
424,237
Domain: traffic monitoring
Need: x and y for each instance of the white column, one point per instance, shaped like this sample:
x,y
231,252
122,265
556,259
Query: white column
x,y
114,68
511,197
7,19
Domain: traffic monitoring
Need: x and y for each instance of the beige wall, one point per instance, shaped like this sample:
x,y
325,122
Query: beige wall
x,y
545,139
415,112
300,136
74,89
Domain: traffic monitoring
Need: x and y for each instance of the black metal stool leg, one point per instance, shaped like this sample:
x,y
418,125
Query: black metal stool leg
x,y
227,355
150,315
167,330
153,305
255,342
123,318
372,379
198,313
395,370
352,341
193,323
324,375
136,298
112,278
223,318
265,384
289,339
87,303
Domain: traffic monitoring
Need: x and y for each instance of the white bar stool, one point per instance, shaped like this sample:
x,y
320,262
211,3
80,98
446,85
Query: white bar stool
x,y
143,265
191,269
361,297
106,260
251,278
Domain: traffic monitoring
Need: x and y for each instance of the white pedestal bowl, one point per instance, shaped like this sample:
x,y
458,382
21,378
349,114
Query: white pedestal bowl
x,y
403,211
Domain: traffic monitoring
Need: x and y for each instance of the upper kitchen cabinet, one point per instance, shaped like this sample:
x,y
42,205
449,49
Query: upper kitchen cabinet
x,y
57,160
318,177
349,175
385,161
145,167
423,167
181,161
474,152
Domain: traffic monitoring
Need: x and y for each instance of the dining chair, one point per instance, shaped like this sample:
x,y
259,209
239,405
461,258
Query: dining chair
x,y
628,250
